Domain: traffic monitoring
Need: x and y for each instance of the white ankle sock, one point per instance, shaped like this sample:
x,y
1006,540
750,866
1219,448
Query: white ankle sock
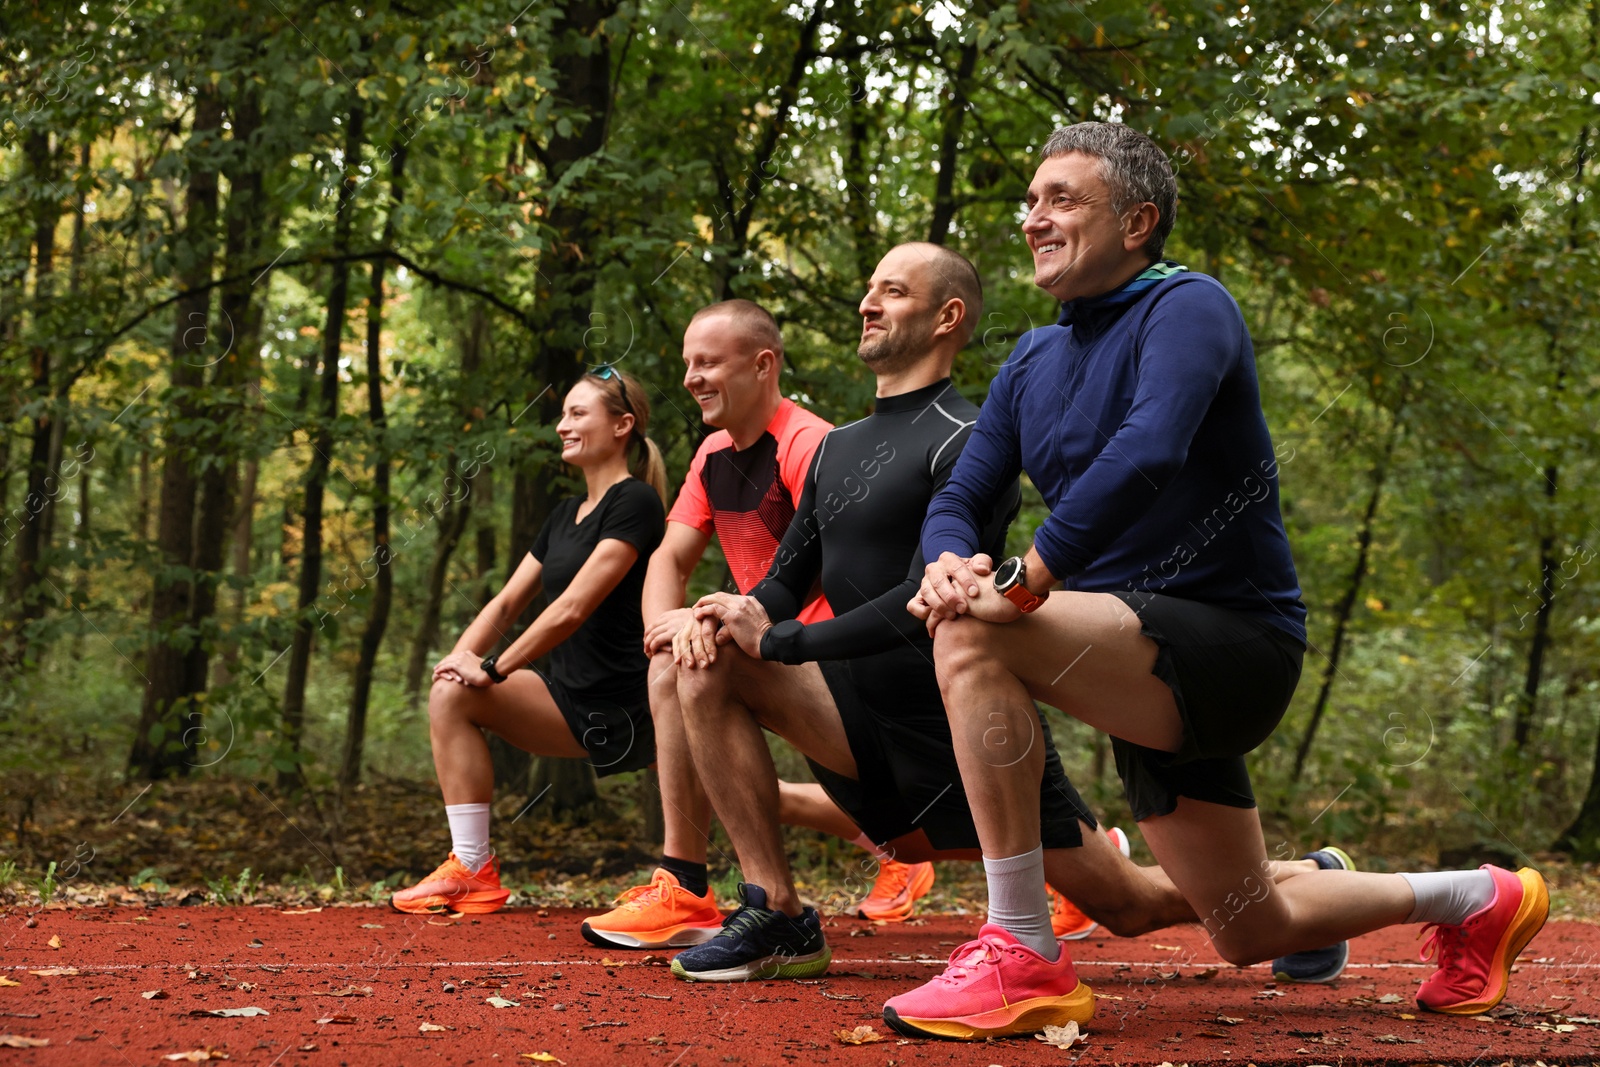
x,y
469,833
1448,897
863,841
1018,902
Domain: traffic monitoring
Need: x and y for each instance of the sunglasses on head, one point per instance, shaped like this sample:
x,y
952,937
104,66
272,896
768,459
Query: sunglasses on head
x,y
605,372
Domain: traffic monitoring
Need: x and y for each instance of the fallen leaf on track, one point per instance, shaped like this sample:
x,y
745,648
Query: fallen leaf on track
x,y
1268,993
542,1057
1390,998
501,1002
1229,1020
4,981
1168,948
154,994
336,1019
607,961
54,972
347,991
861,1035
55,941
199,1055
1392,1039
1206,975
303,911
372,926
1061,1036
229,1013
18,1041
432,1028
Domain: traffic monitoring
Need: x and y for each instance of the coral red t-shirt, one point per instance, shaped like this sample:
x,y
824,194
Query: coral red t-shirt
x,y
746,496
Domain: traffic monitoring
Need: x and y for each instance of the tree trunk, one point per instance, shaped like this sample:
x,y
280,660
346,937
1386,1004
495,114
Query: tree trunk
x,y
1549,568
452,519
294,696
383,591
1346,607
27,580
234,355
163,744
955,114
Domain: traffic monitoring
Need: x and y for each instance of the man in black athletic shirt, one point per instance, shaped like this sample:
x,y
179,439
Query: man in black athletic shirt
x,y
857,693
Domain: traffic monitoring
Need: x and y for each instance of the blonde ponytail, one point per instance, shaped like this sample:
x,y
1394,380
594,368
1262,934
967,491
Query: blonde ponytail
x,y
651,469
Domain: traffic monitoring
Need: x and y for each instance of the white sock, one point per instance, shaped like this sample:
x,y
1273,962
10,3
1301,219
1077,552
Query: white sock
x,y
861,840
1018,902
469,833
1448,897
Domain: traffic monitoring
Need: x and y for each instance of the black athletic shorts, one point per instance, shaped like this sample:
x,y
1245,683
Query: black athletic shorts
x,y
619,733
909,779
1232,676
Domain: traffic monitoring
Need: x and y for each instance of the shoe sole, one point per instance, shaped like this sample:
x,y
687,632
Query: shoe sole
x,y
671,937
479,903
1319,979
1024,1017
808,966
915,891
1523,928
1080,934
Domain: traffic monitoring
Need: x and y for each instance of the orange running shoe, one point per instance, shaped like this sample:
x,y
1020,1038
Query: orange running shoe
x,y
661,914
896,891
454,888
1066,920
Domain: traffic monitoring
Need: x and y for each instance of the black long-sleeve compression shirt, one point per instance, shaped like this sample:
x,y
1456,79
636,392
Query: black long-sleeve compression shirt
x,y
858,526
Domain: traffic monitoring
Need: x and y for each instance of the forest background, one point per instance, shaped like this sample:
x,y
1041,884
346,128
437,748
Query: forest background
x,y
290,294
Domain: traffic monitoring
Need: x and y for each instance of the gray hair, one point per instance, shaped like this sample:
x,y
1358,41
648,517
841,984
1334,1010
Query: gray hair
x,y
1133,167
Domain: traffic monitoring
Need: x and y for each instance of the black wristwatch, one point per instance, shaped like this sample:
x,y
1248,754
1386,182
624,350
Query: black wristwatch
x,y
491,670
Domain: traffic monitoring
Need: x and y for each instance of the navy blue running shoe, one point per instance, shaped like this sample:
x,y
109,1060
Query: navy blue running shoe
x,y
1318,964
756,942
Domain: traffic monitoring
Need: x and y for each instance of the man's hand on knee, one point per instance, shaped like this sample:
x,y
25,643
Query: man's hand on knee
x,y
949,585
744,620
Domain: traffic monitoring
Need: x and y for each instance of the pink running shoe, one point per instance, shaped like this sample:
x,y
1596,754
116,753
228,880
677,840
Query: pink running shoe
x,y
1475,957
993,987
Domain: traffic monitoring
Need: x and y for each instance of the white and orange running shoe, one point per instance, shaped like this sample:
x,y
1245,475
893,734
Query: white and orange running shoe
x,y
660,914
455,888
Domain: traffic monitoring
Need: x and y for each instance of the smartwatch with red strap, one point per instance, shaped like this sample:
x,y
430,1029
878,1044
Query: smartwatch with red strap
x,y
1010,581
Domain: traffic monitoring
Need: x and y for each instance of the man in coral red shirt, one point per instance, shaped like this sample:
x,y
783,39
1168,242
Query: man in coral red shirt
x,y
741,488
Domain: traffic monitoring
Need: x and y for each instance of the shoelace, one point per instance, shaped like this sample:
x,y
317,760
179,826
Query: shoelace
x,y
1443,944
740,923
642,896
892,879
969,957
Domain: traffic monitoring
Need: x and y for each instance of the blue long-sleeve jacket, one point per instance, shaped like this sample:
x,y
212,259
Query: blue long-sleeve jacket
x,y
1138,417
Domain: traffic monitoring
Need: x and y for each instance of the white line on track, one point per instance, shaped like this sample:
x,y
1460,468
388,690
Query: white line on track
x,y
842,963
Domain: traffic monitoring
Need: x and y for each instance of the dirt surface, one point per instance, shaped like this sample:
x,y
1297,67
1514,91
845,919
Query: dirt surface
x,y
347,986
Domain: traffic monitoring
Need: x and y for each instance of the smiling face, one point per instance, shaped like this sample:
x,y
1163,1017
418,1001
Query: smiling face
x,y
1081,247
899,312
589,433
724,370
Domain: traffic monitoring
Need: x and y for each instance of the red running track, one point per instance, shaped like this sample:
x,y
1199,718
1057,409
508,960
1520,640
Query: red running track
x,y
1160,996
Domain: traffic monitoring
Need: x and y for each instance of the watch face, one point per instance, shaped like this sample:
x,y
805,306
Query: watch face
x,y
1006,576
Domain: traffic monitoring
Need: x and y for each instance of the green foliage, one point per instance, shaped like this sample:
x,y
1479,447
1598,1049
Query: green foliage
x,y
1400,199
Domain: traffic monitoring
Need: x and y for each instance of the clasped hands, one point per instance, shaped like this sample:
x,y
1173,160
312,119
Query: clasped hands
x,y
714,621
953,586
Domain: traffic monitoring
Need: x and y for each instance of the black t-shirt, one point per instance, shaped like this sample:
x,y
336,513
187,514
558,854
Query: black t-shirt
x,y
858,528
604,658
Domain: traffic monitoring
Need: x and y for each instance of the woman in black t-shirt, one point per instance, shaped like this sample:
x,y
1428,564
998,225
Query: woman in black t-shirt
x,y
590,559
